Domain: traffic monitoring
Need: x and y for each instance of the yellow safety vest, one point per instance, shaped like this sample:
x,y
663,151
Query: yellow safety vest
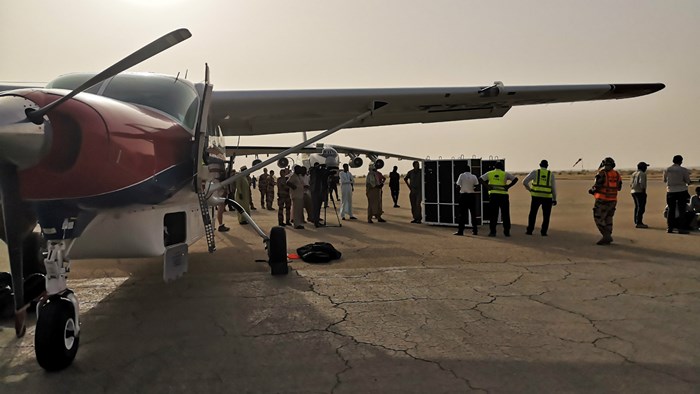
x,y
541,186
497,182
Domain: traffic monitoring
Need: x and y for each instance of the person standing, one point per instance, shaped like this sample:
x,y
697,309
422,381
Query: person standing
x,y
496,180
414,180
677,179
308,206
394,186
296,184
694,207
607,184
347,186
242,195
251,187
284,200
374,183
468,191
542,187
216,164
638,188
270,194
319,192
262,186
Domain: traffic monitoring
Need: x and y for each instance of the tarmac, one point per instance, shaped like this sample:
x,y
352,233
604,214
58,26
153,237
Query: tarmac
x,y
408,308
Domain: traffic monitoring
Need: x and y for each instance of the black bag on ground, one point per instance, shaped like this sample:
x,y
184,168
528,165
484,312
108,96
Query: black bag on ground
x,y
318,252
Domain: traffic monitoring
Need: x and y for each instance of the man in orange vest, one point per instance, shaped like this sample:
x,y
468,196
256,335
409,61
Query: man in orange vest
x,y
607,183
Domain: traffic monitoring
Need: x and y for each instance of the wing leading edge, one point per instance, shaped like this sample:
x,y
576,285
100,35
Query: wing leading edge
x,y
282,111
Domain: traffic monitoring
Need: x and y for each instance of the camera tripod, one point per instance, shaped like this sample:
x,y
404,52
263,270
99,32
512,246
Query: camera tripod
x,y
335,209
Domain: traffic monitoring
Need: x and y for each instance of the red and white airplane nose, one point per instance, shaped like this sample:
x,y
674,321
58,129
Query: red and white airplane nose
x,y
22,142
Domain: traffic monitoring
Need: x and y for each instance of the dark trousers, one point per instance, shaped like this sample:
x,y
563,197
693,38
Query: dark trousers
x,y
499,202
416,198
395,195
546,204
673,200
640,205
467,202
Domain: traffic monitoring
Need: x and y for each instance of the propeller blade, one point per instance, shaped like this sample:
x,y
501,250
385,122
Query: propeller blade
x,y
14,233
135,58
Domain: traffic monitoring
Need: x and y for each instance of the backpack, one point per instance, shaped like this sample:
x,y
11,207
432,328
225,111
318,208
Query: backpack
x,y
318,252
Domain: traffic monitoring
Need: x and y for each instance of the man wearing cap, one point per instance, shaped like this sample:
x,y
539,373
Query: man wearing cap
x,y
540,183
639,193
677,179
607,184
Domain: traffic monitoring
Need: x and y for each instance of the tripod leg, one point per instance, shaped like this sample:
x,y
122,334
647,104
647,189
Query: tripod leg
x,y
336,213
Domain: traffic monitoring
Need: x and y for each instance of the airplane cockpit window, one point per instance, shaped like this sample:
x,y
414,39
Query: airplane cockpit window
x,y
72,81
177,98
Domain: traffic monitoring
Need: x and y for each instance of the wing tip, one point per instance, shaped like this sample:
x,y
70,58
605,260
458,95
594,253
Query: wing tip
x,y
627,90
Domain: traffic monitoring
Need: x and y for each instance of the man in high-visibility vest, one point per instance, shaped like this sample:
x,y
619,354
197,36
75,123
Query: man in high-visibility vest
x,y
496,180
540,183
607,183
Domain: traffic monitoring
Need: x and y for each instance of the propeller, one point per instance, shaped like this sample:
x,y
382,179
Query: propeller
x,y
148,51
17,135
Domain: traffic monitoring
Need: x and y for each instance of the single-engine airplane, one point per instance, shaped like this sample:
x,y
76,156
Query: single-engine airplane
x,y
109,165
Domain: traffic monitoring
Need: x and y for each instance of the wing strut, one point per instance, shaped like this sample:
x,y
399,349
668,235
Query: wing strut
x,y
375,105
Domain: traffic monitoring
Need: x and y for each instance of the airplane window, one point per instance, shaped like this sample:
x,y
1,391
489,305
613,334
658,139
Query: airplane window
x,y
72,81
178,99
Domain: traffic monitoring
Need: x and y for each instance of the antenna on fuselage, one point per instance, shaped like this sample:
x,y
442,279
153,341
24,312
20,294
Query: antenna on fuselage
x,y
177,76
186,70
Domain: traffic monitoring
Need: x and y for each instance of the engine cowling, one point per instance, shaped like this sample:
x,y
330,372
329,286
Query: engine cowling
x,y
356,162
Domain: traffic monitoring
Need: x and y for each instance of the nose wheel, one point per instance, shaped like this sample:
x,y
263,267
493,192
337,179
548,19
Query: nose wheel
x,y
57,332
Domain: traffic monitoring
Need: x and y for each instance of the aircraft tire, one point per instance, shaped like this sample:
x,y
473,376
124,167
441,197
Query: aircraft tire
x,y
55,343
278,251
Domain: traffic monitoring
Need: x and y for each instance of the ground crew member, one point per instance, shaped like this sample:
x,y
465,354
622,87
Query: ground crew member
x,y
270,195
284,200
540,183
607,184
638,189
496,180
262,186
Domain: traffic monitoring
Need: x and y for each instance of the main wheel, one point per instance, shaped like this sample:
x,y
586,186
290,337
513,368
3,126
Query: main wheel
x,y
56,340
277,251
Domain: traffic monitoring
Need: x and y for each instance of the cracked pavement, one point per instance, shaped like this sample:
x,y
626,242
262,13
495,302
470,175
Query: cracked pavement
x,y
407,309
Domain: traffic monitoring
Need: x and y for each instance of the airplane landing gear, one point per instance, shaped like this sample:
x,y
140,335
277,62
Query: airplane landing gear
x,y
58,314
57,335
276,243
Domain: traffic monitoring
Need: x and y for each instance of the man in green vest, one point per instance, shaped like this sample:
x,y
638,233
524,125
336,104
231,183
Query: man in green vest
x,y
540,184
496,180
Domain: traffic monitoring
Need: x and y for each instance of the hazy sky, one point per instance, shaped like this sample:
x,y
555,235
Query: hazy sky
x,y
304,44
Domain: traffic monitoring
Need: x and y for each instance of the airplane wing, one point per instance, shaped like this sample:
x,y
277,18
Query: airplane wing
x,y
318,148
282,111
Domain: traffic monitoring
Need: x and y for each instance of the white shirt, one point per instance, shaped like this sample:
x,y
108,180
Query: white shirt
x,y
346,178
467,182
